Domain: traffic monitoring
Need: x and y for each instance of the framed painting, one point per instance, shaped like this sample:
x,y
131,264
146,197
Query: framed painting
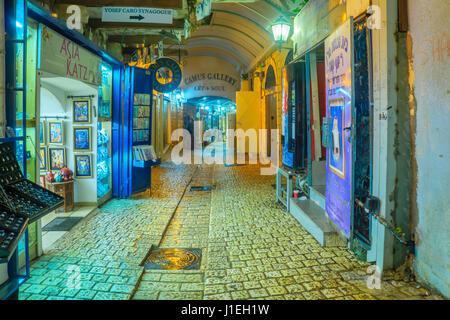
x,y
82,139
57,158
83,166
42,133
43,159
147,99
42,181
82,111
56,133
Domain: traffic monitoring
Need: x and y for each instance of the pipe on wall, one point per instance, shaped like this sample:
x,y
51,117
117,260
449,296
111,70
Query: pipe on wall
x,y
2,73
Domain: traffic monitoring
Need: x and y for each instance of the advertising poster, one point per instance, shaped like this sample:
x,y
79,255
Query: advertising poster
x,y
338,60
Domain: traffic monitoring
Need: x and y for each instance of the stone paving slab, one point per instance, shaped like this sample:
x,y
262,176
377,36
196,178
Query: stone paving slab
x,y
99,259
251,248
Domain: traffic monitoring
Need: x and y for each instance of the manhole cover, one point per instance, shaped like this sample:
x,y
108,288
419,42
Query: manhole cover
x,y
202,188
174,259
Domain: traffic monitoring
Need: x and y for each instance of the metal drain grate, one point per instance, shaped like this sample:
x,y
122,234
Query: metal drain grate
x,y
174,259
202,188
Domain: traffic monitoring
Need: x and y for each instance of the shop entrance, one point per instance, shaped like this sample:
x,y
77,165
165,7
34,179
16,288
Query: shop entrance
x,y
271,108
317,112
75,133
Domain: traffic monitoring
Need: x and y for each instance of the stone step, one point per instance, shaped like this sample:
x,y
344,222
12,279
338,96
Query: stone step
x,y
315,220
317,194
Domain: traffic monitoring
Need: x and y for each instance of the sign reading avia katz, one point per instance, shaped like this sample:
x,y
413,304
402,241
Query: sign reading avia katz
x,y
131,14
63,57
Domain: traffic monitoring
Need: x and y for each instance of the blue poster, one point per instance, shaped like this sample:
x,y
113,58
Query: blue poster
x,y
338,62
337,158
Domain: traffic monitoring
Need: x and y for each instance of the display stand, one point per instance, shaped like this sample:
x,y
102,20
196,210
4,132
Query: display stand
x,y
281,172
65,190
141,99
146,164
21,202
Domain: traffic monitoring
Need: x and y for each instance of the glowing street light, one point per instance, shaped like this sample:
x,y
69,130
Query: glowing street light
x,y
281,29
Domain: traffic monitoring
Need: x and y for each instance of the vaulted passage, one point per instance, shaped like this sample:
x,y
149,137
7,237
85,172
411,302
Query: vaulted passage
x,y
224,150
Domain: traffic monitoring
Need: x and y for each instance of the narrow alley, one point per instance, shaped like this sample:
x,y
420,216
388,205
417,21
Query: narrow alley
x,y
251,248
161,152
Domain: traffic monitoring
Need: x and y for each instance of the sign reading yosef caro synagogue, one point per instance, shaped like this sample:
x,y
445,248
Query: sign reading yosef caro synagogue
x,y
132,14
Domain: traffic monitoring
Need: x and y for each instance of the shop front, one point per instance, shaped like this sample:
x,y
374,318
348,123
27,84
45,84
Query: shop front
x,y
62,118
73,112
327,125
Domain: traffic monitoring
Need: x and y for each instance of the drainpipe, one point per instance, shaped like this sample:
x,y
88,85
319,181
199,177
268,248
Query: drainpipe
x,y
2,72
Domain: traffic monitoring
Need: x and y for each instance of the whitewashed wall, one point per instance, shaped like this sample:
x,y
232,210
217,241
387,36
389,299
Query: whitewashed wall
x,y
430,103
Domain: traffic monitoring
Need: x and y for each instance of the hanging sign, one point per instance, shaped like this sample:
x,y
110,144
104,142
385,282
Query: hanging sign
x,y
137,15
338,60
203,10
64,57
167,75
316,20
210,77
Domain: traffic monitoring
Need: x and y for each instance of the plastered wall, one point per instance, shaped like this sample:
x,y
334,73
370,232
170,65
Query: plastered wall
x,y
429,60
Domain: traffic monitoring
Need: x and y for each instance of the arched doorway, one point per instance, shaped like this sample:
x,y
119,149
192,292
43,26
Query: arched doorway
x,y
271,108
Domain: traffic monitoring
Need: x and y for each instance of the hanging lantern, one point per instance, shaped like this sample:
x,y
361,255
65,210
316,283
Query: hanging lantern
x,y
281,30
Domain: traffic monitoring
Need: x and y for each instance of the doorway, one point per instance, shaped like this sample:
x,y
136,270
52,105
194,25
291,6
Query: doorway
x,y
271,109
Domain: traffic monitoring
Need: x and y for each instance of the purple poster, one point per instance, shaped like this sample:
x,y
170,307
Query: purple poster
x,y
338,61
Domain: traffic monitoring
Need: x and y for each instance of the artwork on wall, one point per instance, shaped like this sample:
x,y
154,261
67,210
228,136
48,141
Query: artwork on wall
x,y
82,139
57,158
147,99
42,133
83,166
43,158
337,154
56,132
42,180
82,111
141,99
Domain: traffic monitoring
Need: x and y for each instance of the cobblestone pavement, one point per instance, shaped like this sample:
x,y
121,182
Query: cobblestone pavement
x,y
251,247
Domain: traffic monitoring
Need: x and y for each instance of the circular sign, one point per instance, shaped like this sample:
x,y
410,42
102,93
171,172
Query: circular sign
x,y
167,75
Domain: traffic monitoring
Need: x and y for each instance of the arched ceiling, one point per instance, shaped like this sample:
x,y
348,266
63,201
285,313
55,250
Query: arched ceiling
x,y
239,31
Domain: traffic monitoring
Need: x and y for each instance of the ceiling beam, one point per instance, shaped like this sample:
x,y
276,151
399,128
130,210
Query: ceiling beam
x,y
139,39
98,23
167,52
166,4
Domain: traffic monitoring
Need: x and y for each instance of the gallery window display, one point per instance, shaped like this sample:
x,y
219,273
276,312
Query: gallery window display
x,y
104,127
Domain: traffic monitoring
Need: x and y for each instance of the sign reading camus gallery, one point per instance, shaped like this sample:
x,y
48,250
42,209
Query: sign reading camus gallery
x,y
63,57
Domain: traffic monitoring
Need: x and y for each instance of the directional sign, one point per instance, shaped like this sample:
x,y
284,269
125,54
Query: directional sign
x,y
137,15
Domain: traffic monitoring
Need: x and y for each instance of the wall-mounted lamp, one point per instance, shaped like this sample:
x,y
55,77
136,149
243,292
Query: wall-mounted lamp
x,y
281,29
